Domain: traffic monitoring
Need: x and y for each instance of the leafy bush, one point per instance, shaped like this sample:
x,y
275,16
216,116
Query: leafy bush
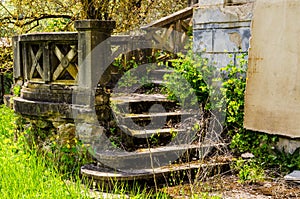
x,y
233,89
188,82
233,78
249,171
261,145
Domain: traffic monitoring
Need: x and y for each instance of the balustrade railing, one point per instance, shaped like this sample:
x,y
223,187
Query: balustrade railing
x,y
46,58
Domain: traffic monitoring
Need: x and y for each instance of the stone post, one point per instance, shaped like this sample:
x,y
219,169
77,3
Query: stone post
x,y
91,33
94,51
17,58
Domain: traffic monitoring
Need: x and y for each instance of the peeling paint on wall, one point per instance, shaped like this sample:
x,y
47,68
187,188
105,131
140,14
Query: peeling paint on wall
x,y
236,38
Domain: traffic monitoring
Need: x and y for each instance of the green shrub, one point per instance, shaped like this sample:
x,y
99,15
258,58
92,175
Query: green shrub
x,y
197,73
261,145
249,171
188,82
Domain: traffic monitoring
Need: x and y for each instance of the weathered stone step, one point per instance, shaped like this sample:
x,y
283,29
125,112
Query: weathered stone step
x,y
140,103
41,109
154,120
120,98
151,157
158,74
148,116
56,94
146,133
158,81
97,172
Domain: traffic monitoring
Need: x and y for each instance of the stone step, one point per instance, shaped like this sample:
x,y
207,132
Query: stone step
x,y
139,103
151,157
159,82
48,94
146,79
146,133
120,98
158,74
100,173
148,116
154,120
42,109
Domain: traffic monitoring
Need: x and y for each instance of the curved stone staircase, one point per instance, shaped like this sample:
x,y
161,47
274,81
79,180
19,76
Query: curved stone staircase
x,y
151,136
157,137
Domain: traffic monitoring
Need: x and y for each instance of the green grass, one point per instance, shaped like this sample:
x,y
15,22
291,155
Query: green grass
x,y
23,173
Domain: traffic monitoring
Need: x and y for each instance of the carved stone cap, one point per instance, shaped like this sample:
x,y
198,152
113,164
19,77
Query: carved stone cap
x,y
48,36
94,24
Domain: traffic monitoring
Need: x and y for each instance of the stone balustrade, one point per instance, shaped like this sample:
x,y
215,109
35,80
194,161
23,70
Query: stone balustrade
x,y
52,68
46,58
49,67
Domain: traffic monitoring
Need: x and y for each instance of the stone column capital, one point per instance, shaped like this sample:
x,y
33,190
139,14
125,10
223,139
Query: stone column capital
x,y
95,24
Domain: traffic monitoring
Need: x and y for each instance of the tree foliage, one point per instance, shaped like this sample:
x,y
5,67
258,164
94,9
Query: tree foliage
x,y
57,15
18,17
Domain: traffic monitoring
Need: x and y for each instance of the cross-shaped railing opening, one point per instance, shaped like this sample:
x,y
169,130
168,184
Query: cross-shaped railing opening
x,y
36,60
47,58
67,69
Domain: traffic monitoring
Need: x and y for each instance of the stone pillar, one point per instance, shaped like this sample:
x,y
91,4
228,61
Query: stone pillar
x,y
17,58
91,36
94,51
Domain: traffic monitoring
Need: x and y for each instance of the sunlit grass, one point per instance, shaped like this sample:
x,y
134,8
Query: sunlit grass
x,y
23,173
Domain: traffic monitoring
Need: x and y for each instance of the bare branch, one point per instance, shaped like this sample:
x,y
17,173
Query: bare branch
x,y
47,16
6,9
30,19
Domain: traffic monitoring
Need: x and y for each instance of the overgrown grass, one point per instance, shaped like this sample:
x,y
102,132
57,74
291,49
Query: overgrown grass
x,y
23,173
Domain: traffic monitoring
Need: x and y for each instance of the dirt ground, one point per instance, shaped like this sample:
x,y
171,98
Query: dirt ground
x,y
227,186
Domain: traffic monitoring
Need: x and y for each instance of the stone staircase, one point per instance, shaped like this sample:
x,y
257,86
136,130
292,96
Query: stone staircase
x,y
147,133
157,137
